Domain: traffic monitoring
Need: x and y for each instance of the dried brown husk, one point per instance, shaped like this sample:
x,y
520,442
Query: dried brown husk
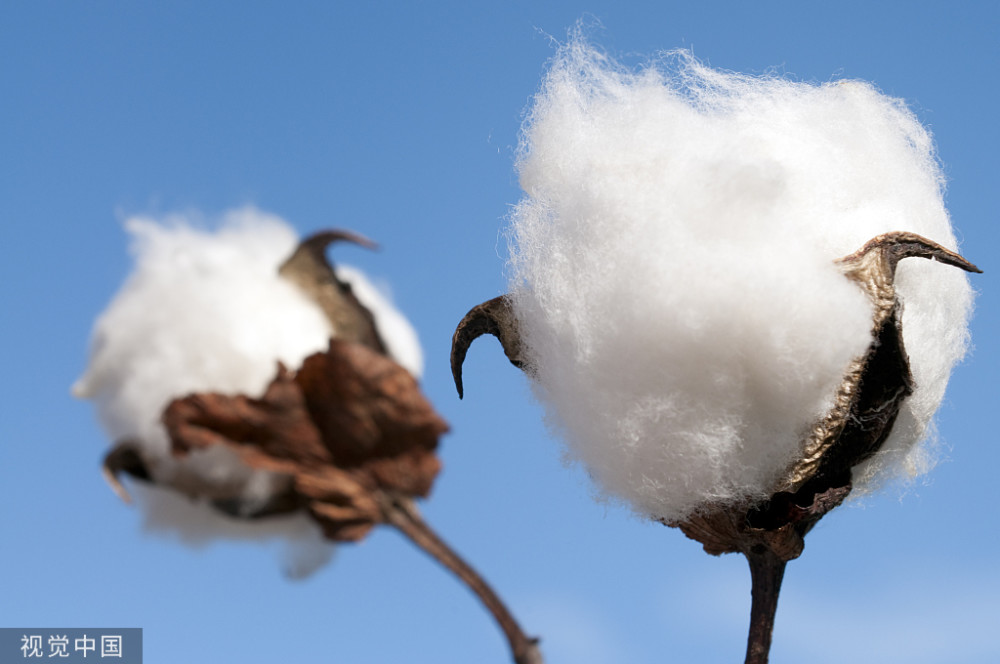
x,y
864,412
494,317
349,426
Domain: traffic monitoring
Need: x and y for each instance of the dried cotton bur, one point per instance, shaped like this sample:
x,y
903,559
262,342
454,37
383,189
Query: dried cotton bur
x,y
709,294
254,390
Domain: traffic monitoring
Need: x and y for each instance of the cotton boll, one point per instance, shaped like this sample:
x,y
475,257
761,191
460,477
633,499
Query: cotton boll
x,y
201,312
208,312
673,269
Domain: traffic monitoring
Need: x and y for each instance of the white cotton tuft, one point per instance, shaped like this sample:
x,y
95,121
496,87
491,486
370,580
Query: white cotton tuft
x,y
207,312
302,548
673,270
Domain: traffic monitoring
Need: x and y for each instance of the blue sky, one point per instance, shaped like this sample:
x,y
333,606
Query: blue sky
x,y
399,120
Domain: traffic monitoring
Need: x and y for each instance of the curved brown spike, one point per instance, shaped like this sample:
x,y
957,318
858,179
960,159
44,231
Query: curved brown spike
x,y
311,270
124,457
320,240
494,317
897,245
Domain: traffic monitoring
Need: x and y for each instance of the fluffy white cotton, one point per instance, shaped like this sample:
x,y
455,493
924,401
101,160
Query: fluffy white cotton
x,y
207,311
672,269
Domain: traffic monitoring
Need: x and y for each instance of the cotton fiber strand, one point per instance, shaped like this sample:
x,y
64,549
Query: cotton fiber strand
x,y
207,312
673,270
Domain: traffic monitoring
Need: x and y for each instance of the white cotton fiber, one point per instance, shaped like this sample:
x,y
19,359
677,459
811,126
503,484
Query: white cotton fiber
x,y
673,269
207,311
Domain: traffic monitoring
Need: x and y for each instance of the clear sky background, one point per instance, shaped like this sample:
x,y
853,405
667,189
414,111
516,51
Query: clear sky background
x,y
399,120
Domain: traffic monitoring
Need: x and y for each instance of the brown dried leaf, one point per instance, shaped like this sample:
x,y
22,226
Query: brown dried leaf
x,y
344,507
373,416
272,432
349,425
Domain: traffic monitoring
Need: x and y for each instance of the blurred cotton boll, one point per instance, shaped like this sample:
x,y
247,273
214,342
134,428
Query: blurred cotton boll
x,y
206,311
673,270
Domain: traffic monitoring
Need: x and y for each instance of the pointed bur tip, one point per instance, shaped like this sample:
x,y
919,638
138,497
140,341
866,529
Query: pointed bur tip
x,y
320,240
494,317
898,245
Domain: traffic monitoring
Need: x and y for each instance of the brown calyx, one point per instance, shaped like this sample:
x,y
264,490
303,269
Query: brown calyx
x,y
351,423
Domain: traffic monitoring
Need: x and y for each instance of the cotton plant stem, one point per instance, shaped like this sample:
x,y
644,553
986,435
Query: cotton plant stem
x,y
766,573
402,513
